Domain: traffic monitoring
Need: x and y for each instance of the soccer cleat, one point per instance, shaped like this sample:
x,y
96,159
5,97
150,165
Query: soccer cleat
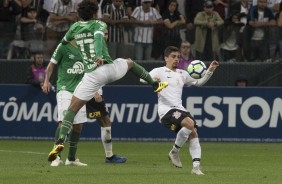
x,y
196,170
57,162
115,159
174,158
55,151
75,163
161,86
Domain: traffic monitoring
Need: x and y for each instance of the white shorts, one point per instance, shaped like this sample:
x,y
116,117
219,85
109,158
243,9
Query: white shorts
x,y
63,102
93,81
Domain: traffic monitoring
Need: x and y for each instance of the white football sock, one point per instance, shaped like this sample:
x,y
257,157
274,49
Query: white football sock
x,y
182,136
106,137
195,151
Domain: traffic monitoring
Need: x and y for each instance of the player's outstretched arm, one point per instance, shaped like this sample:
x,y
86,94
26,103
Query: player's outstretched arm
x,y
200,82
214,64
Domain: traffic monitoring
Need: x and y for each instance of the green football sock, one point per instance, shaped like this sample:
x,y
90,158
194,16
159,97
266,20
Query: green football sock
x,y
73,141
140,72
66,124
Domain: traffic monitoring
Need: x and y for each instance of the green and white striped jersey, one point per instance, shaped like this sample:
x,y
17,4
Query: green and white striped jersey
x,y
89,37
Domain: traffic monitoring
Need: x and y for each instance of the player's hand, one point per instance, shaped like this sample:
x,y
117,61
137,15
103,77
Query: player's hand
x,y
46,87
99,61
214,64
98,98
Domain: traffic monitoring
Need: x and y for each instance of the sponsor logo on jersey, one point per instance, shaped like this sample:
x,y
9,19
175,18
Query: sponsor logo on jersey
x,y
77,68
90,66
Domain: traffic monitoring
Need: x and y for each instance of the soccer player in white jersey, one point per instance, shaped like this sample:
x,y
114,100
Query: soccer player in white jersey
x,y
99,67
171,111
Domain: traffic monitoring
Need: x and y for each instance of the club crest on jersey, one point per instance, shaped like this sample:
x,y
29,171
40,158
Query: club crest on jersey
x,y
176,114
71,56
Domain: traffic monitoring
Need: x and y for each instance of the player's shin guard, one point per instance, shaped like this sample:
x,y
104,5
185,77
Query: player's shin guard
x,y
140,72
73,141
66,124
106,137
195,150
182,136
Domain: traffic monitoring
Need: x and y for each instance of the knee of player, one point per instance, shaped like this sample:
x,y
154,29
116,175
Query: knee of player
x,y
77,128
193,134
107,122
59,124
188,123
130,63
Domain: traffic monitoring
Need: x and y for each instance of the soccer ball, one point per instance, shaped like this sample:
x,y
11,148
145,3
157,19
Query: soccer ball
x,y
197,69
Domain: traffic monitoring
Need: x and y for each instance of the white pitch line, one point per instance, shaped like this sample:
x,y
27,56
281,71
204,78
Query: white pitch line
x,y
26,152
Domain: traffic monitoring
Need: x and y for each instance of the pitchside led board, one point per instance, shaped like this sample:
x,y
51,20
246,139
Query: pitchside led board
x,y
223,114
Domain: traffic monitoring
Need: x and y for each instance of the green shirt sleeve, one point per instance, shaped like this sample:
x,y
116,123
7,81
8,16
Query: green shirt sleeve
x,y
98,45
58,54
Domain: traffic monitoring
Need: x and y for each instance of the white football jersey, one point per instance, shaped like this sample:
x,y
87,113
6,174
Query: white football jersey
x,y
170,97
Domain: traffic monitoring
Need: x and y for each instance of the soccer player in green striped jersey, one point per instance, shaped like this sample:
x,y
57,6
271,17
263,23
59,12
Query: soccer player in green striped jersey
x,y
99,68
70,72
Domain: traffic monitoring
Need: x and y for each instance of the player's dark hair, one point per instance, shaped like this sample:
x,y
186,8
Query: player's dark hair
x,y
169,50
86,9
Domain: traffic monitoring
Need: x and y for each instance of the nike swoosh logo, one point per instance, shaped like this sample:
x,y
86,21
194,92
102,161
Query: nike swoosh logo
x,y
168,77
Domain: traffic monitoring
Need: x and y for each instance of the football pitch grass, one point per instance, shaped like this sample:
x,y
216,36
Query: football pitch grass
x,y
25,162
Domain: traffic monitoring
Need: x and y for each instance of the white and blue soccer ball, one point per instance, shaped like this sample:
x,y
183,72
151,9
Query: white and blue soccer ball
x,y
197,69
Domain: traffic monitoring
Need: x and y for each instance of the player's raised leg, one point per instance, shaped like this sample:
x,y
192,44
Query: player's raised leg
x,y
181,138
140,72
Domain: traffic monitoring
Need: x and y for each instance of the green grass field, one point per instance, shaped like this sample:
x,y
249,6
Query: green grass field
x,y
25,162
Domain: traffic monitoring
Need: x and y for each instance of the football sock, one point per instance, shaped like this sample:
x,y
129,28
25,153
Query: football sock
x,y
66,124
195,151
175,148
73,141
57,137
182,136
140,72
106,137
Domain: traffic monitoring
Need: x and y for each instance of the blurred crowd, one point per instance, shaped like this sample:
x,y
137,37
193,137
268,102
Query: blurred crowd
x,y
226,30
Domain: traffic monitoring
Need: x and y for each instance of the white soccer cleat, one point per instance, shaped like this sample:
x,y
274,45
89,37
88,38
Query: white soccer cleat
x,y
174,158
56,162
196,170
75,163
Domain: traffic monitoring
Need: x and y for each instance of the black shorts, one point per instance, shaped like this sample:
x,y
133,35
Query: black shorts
x,y
172,119
96,109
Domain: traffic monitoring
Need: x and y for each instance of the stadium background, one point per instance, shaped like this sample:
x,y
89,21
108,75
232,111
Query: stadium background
x,y
258,73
